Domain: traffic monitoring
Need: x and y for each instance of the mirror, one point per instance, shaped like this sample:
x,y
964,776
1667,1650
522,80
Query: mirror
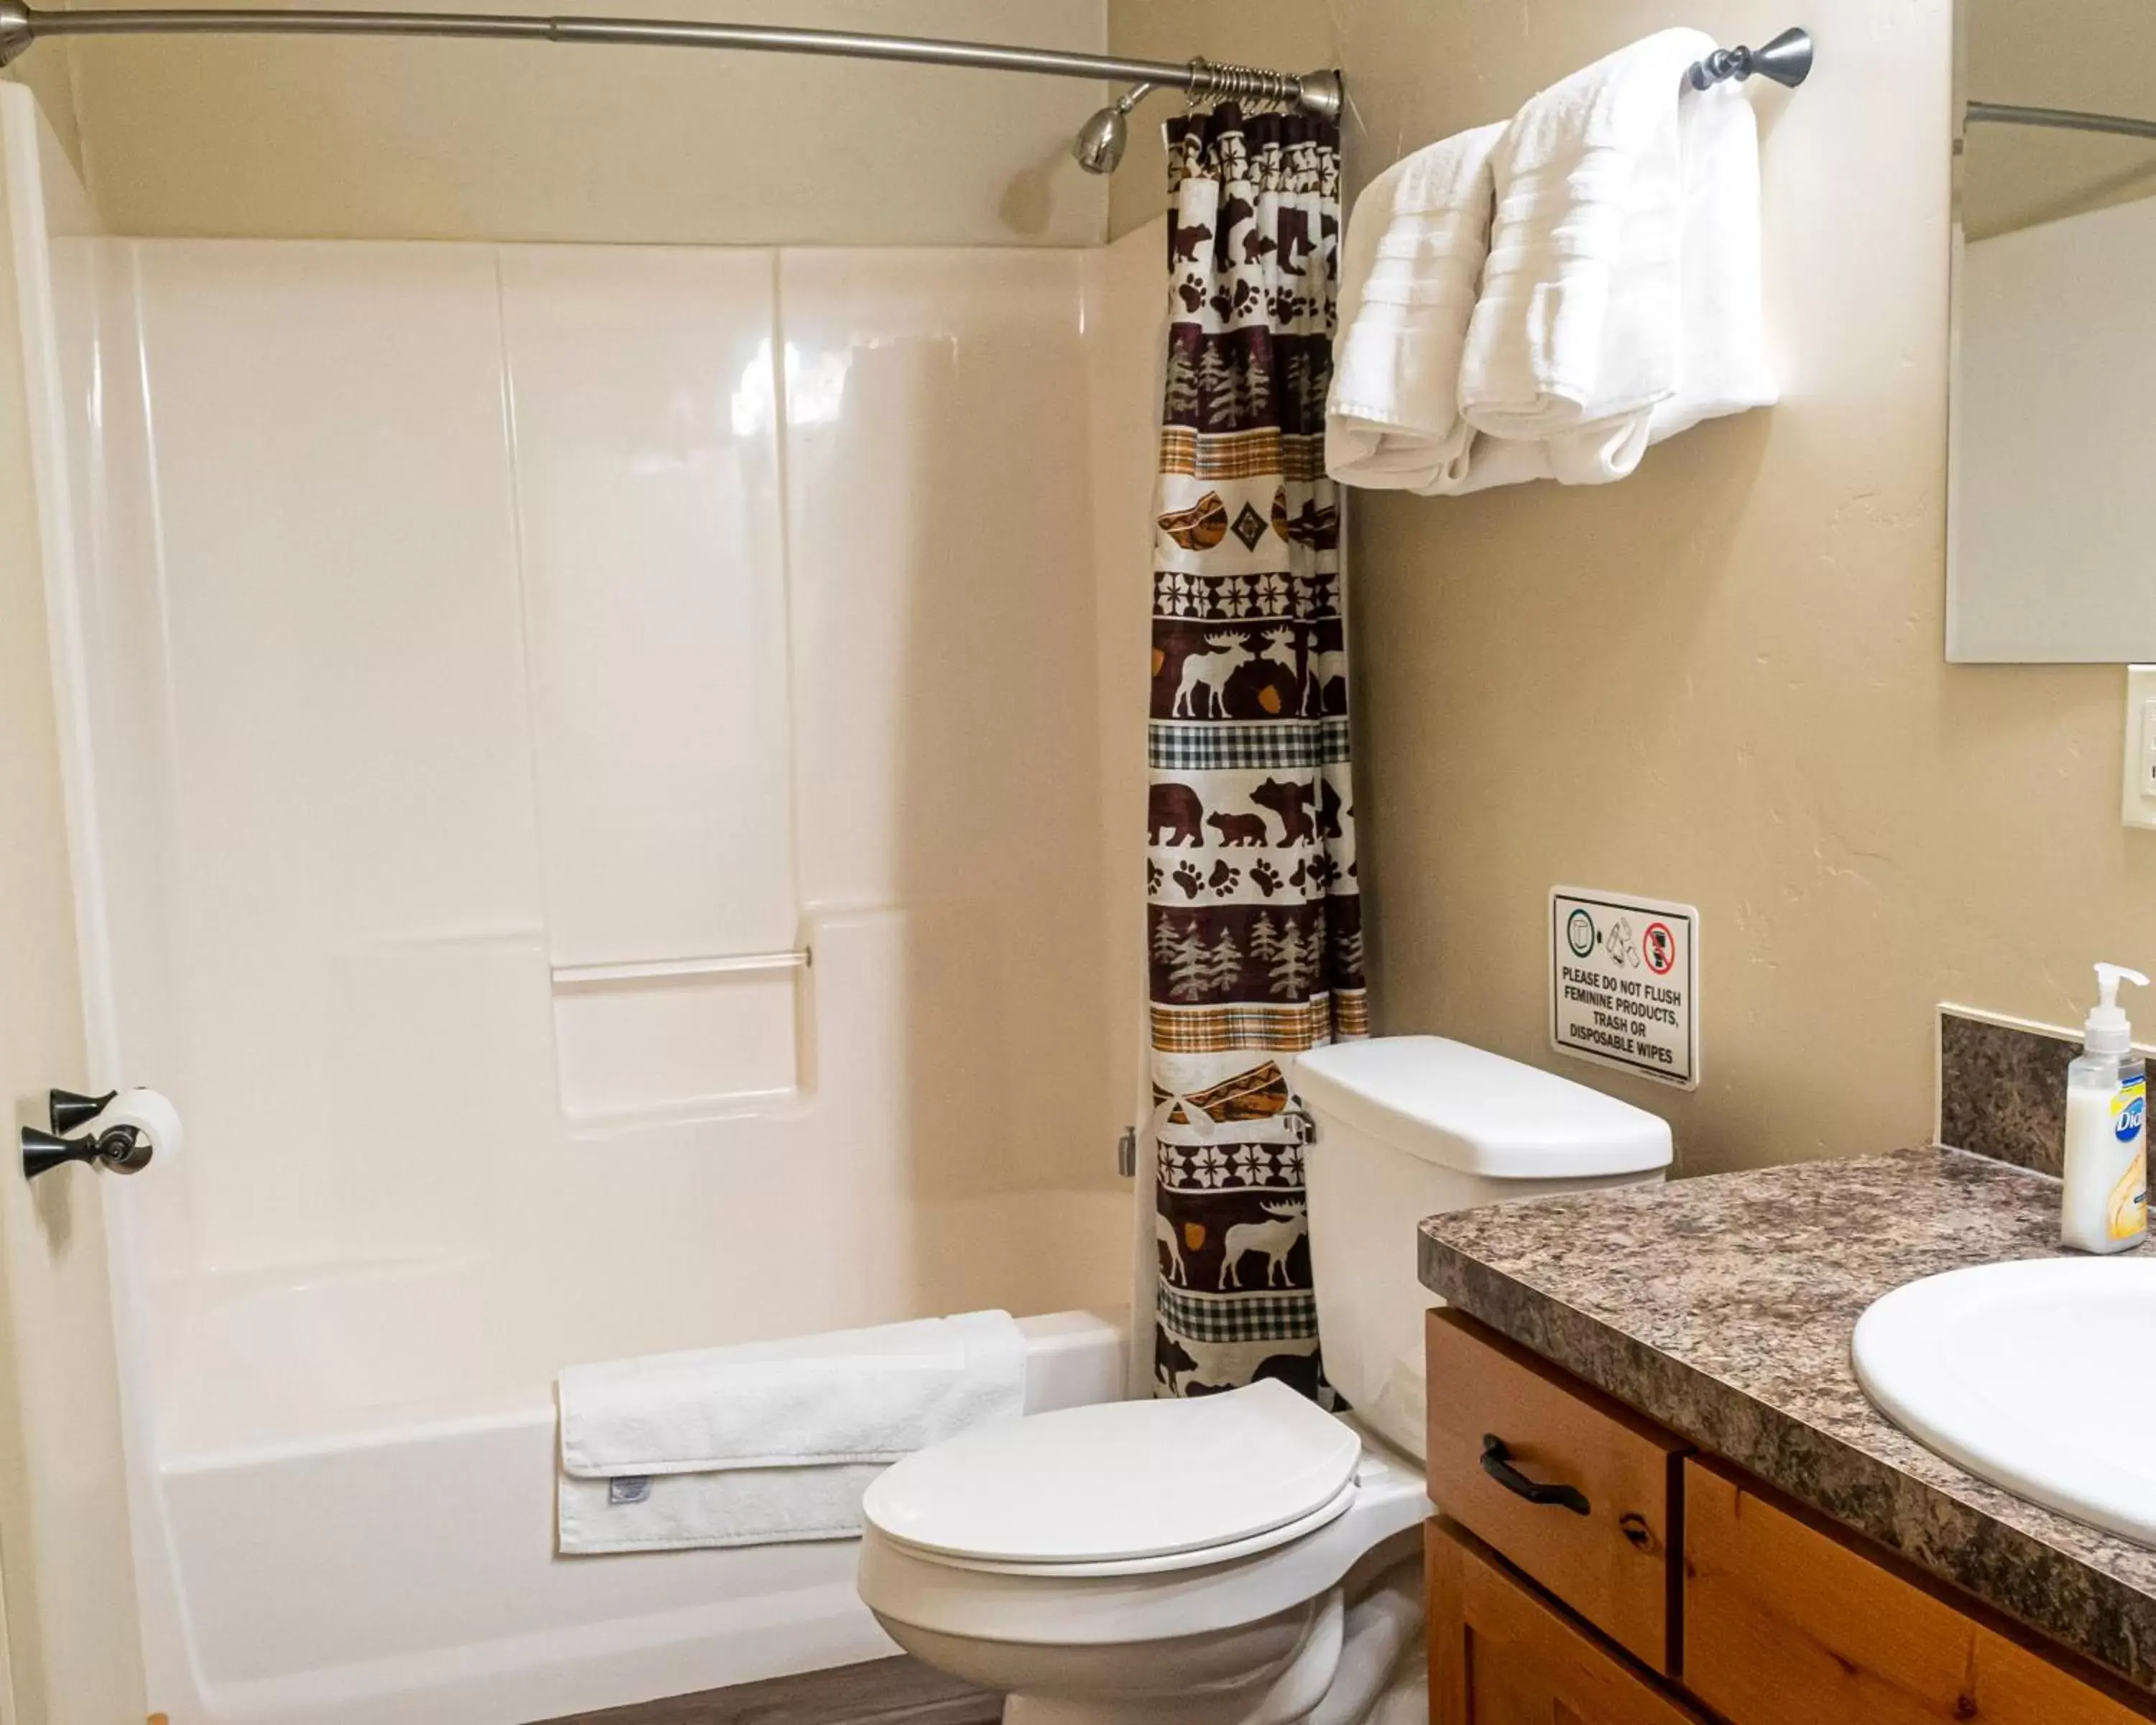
x,y
2051,538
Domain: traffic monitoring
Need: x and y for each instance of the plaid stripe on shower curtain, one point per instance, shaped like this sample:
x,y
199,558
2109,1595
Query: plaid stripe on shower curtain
x,y
1254,918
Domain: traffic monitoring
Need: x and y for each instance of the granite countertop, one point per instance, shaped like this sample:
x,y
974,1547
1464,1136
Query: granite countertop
x,y
1722,1307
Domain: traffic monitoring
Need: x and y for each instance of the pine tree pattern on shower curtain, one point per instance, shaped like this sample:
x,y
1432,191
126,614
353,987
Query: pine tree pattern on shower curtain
x,y
1254,920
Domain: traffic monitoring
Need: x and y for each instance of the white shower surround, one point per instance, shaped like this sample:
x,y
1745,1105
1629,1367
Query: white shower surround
x,y
348,744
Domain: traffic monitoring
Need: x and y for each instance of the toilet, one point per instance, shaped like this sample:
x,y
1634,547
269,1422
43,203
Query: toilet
x,y
1246,1559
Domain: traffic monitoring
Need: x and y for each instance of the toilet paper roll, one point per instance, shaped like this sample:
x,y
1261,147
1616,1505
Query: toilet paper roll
x,y
150,1114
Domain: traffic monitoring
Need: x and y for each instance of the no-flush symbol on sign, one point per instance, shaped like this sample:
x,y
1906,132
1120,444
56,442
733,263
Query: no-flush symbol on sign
x,y
1660,948
1624,982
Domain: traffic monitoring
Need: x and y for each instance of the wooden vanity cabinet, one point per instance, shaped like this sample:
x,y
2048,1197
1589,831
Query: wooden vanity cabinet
x,y
1786,1623
1507,1427
1549,1607
1501,1653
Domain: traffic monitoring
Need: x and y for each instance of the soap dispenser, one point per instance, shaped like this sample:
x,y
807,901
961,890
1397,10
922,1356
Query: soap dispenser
x,y
2105,1205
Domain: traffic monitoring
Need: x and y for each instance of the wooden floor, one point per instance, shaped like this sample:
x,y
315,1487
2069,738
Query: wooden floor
x,y
886,1691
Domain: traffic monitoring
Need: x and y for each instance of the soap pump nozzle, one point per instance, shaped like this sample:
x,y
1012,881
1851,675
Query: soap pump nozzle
x,y
2106,1031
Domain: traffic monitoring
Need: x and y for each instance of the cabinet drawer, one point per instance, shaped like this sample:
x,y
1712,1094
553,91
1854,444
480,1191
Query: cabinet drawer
x,y
1785,1624
1605,1550
1501,1655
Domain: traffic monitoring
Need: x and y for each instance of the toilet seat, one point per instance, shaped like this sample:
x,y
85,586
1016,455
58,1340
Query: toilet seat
x,y
1056,1605
1167,1563
1123,1487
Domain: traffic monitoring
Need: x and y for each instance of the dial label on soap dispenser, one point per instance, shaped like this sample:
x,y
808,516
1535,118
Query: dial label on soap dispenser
x,y
1624,983
2129,1111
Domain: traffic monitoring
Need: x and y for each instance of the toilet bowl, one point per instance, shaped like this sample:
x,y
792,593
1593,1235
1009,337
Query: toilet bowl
x,y
1200,1562
1245,1558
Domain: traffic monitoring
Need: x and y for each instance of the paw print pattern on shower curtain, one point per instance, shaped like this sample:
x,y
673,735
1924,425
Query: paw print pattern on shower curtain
x,y
1254,920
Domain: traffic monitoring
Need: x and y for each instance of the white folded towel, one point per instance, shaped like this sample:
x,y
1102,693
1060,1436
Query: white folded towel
x,y
1576,330
686,1512
1722,365
1493,461
1621,302
1410,266
1722,362
772,1439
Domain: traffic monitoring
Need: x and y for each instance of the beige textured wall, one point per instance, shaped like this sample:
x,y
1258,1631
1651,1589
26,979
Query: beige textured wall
x,y
290,138
1289,35
1721,681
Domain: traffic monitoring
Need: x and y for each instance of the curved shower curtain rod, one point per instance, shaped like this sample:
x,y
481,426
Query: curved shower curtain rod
x,y
1787,60
1099,145
1316,93
2126,126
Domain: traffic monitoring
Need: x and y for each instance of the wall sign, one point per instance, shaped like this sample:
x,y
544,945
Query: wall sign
x,y
1624,983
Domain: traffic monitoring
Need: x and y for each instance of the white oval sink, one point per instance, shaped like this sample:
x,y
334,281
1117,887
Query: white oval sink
x,y
2033,1375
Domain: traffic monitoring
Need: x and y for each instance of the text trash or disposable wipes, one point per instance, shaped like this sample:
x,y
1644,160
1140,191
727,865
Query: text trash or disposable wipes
x,y
1624,983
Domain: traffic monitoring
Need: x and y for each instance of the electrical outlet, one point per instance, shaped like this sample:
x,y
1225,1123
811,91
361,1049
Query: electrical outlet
x,y
2137,790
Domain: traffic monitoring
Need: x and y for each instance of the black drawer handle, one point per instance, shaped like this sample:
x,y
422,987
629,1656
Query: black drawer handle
x,y
1497,1463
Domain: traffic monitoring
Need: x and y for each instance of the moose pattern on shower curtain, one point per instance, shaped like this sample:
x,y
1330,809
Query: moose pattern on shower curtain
x,y
1254,918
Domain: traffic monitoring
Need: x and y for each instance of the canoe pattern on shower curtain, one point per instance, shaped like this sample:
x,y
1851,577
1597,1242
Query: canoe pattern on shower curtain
x,y
1254,920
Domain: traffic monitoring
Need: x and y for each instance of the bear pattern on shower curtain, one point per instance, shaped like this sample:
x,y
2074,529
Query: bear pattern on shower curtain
x,y
1254,920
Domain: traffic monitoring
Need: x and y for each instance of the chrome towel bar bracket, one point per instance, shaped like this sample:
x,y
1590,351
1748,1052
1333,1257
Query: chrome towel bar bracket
x,y
1787,60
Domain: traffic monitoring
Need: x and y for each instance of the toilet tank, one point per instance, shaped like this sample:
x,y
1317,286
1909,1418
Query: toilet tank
x,y
1409,1125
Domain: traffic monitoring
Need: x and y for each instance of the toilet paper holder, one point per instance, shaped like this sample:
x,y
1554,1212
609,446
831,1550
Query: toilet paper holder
x,y
124,1149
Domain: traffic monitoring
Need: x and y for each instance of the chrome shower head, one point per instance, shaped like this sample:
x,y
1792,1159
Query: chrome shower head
x,y
1102,141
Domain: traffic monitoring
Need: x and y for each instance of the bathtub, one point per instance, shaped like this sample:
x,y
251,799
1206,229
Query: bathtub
x,y
339,1558
350,927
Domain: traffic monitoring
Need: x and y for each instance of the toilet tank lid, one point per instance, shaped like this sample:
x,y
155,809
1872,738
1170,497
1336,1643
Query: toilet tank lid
x,y
1468,1109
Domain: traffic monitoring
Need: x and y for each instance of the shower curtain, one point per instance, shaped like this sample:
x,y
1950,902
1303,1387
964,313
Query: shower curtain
x,y
1254,920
